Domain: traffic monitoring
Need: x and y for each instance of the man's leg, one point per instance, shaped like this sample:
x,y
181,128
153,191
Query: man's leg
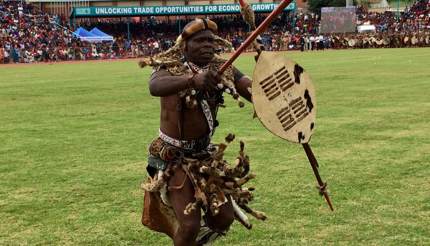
x,y
180,194
222,221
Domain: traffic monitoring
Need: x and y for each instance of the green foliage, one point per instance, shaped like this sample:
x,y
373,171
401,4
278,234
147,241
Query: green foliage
x,y
402,2
74,139
316,5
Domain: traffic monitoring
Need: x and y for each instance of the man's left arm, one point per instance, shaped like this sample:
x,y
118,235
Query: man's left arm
x,y
243,84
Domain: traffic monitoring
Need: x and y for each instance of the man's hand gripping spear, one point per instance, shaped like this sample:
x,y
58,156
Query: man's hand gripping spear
x,y
291,117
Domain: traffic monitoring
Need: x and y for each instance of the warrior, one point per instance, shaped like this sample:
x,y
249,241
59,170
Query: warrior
x,y
193,195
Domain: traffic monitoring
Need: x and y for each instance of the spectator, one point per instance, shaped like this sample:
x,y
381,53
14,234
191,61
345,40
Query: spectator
x,y
2,51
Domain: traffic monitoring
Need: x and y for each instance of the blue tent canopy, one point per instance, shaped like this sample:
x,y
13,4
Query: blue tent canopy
x,y
100,33
85,35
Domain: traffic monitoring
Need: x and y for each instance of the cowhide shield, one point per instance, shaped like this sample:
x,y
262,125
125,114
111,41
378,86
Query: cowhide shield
x,y
284,97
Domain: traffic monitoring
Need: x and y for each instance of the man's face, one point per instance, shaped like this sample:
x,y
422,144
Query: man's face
x,y
200,47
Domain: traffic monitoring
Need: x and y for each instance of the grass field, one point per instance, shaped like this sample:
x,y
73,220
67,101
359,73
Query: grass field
x,y
73,141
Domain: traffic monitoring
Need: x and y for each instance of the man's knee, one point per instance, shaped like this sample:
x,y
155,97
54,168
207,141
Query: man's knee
x,y
222,221
225,223
189,229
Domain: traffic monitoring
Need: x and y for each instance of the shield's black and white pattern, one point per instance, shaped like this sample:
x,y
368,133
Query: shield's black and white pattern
x,y
284,97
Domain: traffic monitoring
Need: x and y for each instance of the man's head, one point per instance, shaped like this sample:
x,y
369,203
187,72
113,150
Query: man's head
x,y
199,41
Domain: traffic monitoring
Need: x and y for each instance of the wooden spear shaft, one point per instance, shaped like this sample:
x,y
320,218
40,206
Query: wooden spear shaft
x,y
254,35
314,164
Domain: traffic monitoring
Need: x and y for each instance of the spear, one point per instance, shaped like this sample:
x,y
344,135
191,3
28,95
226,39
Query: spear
x,y
314,164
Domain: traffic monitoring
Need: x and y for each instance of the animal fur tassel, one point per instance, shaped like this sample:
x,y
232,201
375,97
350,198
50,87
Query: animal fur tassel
x,y
248,14
215,182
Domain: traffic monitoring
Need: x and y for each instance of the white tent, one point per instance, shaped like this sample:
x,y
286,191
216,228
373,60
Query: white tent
x,y
366,28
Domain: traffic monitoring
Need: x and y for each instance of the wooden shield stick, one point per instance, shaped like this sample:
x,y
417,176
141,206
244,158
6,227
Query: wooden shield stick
x,y
314,164
322,187
285,102
254,34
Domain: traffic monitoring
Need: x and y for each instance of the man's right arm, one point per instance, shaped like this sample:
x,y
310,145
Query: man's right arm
x,y
163,83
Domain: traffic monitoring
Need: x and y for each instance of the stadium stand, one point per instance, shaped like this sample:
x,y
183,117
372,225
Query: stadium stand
x,y
29,35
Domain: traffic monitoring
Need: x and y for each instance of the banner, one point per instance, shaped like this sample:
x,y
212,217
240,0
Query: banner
x,y
172,10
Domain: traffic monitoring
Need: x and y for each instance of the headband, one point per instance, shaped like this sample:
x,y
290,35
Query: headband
x,y
198,25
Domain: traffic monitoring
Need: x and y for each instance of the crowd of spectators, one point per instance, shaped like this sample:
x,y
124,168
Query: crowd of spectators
x,y
28,35
413,19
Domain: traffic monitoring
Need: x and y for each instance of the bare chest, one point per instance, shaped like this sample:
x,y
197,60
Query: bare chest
x,y
179,121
